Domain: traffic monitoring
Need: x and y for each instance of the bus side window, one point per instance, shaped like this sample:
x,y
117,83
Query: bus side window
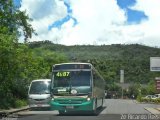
x,y
94,78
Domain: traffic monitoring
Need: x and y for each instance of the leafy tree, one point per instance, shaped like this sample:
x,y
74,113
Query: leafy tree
x,y
13,56
151,87
19,65
135,90
7,65
12,19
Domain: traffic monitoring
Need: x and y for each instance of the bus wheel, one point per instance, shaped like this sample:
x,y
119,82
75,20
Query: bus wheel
x,y
61,112
95,112
102,103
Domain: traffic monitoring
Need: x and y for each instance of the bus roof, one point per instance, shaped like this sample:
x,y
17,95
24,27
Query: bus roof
x,y
73,65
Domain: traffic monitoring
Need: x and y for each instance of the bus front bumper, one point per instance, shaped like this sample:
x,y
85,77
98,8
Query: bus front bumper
x,y
85,106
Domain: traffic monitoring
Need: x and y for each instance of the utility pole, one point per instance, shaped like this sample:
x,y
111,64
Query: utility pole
x,y
122,80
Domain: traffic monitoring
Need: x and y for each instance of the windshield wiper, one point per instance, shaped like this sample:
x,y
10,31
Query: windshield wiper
x,y
82,94
44,92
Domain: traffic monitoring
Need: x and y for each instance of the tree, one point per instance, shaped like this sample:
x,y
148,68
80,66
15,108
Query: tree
x,y
151,87
135,90
12,19
13,70
7,66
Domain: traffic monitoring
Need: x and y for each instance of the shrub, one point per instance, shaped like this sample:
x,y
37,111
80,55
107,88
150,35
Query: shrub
x,y
20,103
139,98
148,100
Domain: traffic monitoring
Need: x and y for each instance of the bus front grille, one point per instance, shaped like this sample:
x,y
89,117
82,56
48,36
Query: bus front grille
x,y
39,99
70,101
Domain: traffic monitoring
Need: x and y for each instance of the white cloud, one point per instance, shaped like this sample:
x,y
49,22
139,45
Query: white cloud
x,y
43,13
150,8
99,21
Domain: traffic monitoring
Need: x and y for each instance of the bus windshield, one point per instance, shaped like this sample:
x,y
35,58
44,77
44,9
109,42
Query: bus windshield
x,y
40,87
72,78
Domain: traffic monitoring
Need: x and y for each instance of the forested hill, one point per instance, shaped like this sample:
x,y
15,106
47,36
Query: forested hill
x,y
110,59
115,51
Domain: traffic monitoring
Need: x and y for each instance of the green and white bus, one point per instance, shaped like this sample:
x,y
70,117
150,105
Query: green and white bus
x,y
76,87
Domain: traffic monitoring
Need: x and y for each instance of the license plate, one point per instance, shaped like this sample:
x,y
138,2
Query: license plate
x,y
69,107
39,105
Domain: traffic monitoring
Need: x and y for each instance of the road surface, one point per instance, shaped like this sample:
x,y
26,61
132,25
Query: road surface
x,y
113,109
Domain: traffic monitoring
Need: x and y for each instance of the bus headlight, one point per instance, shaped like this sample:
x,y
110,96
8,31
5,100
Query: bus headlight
x,y
52,98
88,99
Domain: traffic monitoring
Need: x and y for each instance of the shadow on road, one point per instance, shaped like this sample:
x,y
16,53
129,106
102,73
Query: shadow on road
x,y
82,113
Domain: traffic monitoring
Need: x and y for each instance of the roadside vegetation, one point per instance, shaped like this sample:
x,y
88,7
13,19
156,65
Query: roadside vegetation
x,y
148,100
19,64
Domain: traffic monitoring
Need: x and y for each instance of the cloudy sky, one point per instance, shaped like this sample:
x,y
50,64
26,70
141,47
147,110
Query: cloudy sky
x,y
95,22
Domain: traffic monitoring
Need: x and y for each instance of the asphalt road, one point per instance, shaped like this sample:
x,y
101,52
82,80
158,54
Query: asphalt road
x,y
114,109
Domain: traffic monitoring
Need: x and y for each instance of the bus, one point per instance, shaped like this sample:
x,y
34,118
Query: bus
x,y
76,87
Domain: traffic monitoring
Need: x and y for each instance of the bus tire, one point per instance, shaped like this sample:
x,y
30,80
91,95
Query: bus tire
x,y
61,112
102,103
94,112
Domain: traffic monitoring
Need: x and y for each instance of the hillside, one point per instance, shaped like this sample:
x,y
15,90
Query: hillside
x,y
110,59
115,51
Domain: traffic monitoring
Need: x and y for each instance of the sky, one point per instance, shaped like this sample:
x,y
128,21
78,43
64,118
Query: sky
x,y
94,22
